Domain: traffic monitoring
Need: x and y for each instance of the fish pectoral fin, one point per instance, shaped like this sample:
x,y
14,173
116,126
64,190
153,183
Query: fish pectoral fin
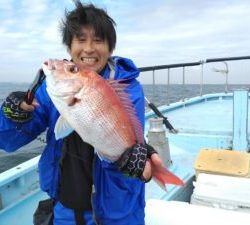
x,y
62,128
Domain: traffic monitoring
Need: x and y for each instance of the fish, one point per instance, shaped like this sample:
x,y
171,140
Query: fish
x,y
99,111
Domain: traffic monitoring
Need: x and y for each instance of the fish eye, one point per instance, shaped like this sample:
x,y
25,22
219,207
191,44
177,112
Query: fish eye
x,y
72,68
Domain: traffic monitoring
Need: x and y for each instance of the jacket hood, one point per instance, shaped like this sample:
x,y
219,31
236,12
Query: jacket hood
x,y
124,68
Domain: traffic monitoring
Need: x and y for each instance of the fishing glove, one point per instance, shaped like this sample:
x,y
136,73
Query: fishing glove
x,y
11,108
132,162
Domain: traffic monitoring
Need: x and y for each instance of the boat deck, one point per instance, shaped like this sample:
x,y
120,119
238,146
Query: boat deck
x,y
213,114
208,117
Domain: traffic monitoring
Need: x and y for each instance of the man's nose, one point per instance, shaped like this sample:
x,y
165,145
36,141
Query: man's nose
x,y
89,47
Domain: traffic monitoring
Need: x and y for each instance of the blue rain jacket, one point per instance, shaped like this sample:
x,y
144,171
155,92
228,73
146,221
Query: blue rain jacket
x,y
118,200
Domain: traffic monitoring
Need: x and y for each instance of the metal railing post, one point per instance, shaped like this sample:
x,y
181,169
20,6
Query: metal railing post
x,y
226,73
201,78
183,83
154,93
168,86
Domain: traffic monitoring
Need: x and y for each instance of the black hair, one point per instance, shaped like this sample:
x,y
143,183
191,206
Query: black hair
x,y
90,16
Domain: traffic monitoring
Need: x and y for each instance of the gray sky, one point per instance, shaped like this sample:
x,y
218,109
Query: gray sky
x,y
149,32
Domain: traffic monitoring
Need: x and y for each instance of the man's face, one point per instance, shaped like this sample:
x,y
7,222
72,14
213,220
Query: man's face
x,y
89,50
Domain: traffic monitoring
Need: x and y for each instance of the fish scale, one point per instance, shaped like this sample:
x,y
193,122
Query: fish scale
x,y
92,116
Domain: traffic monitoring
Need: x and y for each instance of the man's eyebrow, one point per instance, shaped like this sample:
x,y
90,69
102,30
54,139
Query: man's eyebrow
x,y
81,34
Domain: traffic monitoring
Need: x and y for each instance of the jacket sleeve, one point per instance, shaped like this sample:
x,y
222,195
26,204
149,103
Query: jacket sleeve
x,y
14,135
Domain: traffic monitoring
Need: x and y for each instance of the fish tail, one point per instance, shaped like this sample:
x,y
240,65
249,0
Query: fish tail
x,y
163,176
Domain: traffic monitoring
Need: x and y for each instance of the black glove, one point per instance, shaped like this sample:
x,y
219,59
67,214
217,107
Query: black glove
x,y
150,150
132,162
11,108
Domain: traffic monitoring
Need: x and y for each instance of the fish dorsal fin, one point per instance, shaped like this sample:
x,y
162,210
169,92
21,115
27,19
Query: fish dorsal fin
x,y
120,89
62,128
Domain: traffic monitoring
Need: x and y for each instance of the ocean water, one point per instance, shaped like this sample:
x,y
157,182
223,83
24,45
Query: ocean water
x,y
159,95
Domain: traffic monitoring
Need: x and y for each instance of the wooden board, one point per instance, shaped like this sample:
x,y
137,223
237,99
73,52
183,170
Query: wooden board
x,y
219,161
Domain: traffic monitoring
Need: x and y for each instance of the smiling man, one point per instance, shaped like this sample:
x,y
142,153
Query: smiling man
x,y
90,49
69,167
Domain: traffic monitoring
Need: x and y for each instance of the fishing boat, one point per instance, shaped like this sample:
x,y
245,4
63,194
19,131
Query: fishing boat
x,y
203,139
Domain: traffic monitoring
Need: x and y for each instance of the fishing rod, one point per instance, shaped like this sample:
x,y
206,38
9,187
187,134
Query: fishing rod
x,y
159,114
29,97
30,94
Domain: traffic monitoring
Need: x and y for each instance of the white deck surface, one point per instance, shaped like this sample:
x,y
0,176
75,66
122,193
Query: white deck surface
x,y
205,117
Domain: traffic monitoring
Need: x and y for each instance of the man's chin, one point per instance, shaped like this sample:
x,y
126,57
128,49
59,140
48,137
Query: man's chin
x,y
89,67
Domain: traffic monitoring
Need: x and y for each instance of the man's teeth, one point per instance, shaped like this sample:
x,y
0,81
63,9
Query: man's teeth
x,y
88,60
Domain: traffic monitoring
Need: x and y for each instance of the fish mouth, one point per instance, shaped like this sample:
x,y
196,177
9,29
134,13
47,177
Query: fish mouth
x,y
46,69
49,65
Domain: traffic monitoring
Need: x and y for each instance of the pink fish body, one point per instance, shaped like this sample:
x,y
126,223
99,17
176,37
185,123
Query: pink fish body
x,y
98,110
93,108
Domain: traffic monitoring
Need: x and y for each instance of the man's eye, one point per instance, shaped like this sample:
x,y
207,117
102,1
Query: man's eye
x,y
81,39
98,39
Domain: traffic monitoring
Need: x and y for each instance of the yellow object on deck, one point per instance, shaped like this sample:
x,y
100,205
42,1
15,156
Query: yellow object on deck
x,y
225,162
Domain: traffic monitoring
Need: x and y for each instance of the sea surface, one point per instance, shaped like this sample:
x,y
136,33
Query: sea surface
x,y
158,94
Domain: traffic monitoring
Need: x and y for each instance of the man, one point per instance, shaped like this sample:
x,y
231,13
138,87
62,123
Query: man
x,y
65,167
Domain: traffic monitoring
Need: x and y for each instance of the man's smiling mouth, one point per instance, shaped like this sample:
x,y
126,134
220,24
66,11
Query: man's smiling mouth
x,y
89,60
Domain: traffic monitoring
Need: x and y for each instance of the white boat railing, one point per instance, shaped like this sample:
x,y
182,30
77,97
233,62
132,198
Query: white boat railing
x,y
200,63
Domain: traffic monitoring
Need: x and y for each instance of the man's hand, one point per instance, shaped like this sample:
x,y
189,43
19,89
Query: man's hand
x,y
136,161
29,108
147,172
16,109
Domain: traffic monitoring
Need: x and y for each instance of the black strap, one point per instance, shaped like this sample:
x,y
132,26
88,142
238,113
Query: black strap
x,y
44,213
76,173
79,217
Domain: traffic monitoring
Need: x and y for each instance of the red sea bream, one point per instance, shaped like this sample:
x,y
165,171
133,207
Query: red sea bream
x,y
98,110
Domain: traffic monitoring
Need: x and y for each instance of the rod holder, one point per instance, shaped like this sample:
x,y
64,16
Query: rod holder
x,y
157,138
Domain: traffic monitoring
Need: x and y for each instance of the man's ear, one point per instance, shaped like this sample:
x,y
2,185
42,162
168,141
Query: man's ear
x,y
111,52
